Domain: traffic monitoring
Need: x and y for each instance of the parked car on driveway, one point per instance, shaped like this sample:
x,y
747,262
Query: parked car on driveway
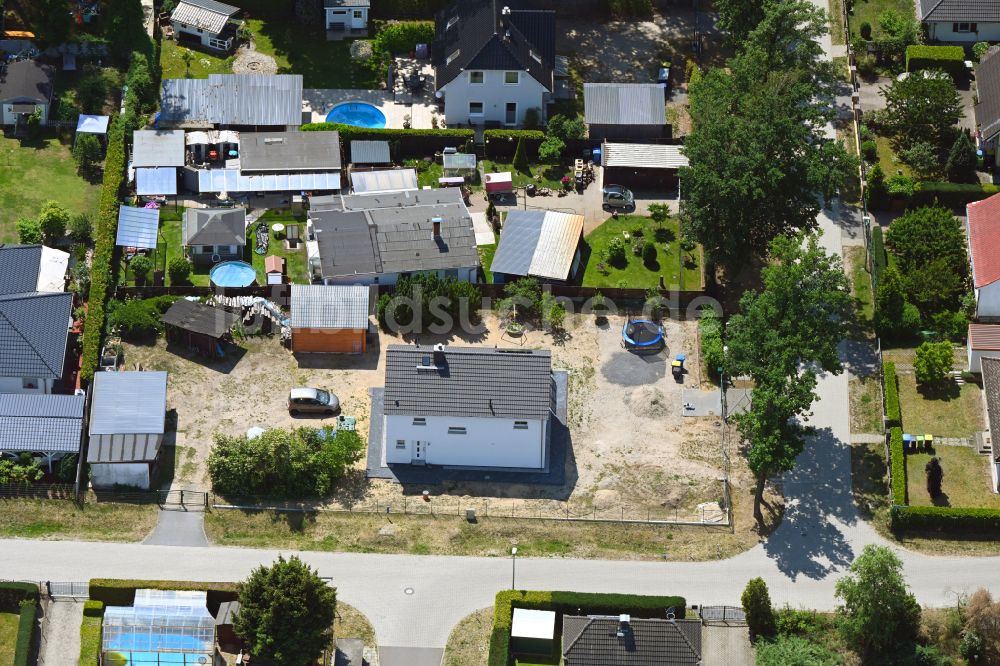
x,y
616,196
312,401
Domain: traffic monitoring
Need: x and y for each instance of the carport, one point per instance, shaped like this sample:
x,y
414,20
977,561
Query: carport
x,y
199,327
642,165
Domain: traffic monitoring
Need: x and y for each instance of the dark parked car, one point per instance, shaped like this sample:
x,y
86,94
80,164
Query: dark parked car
x,y
616,196
312,401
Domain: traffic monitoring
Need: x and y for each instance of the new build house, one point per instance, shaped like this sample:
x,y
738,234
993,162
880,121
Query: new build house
x,y
493,61
25,87
375,238
211,235
467,406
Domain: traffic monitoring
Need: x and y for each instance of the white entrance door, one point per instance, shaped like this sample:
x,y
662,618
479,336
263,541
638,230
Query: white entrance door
x,y
419,453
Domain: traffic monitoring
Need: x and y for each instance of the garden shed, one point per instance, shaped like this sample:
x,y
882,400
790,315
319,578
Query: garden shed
x,y
127,422
635,165
532,631
373,153
199,327
329,318
625,110
541,243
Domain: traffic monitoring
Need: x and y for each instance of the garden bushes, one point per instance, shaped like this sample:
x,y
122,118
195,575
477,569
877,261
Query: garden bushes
x,y
710,330
948,58
402,36
892,409
898,457
90,633
587,603
121,592
404,143
945,519
24,598
926,193
501,144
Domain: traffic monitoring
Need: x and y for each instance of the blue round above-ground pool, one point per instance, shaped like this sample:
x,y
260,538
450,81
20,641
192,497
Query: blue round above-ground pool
x,y
233,274
358,114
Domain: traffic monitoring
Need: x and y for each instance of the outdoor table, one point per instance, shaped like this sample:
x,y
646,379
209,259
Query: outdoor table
x,y
278,228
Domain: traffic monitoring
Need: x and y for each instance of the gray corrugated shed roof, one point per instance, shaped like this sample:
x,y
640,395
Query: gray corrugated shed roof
x,y
200,318
156,181
158,148
642,155
214,226
468,381
624,104
124,448
538,243
205,14
233,99
593,641
289,151
33,332
328,306
19,267
137,227
988,87
27,80
33,422
346,3
128,402
390,180
370,152
974,11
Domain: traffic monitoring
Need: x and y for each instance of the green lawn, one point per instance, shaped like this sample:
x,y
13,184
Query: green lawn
x,y
295,260
635,274
956,411
861,284
966,481
169,246
887,158
33,173
867,11
8,637
428,171
295,49
543,175
486,253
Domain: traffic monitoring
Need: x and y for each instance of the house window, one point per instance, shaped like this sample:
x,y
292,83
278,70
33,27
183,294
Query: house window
x,y
419,420
456,430
29,383
452,57
475,108
520,425
199,30
964,27
512,78
475,77
208,249
400,443
357,13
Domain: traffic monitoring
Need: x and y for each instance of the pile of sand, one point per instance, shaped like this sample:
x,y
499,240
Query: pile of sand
x,y
647,402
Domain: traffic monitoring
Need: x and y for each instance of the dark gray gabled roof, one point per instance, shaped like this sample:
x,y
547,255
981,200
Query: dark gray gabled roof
x,y
200,318
991,391
471,34
624,104
33,332
27,80
988,88
279,152
19,267
128,403
330,306
468,381
594,641
370,152
214,226
346,243
37,422
973,11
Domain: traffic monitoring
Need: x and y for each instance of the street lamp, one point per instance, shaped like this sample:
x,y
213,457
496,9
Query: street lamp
x,y
513,565
722,382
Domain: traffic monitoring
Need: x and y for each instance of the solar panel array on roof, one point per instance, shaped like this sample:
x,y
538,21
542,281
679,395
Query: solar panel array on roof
x,y
137,227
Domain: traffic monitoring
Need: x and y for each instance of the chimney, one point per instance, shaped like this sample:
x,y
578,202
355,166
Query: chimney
x,y
436,226
623,622
439,355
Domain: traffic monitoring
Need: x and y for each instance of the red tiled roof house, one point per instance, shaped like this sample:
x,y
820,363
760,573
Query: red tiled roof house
x,y
983,229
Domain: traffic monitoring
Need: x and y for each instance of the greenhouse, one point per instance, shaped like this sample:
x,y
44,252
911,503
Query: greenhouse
x,y
163,627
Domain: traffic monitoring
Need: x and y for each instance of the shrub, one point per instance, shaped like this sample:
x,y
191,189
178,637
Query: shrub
x,y
897,457
922,157
279,463
25,630
28,231
952,326
637,9
587,603
935,475
13,593
566,128
137,317
409,306
980,49
141,267
866,30
892,409
66,471
179,270
532,118
757,608
787,650
90,633
521,157
879,258
710,331
86,153
551,150
81,229
616,252
877,191
962,160
397,37
900,186
649,254
869,151
945,519
53,220
933,362
951,59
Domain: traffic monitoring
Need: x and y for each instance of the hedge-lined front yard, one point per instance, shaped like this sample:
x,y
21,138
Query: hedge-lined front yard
x,y
966,481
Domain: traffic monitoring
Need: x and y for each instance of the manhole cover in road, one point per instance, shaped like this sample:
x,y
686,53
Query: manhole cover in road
x,y
408,590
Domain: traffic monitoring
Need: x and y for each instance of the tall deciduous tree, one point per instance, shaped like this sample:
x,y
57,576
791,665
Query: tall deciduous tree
x,y
286,613
878,613
933,362
738,17
923,106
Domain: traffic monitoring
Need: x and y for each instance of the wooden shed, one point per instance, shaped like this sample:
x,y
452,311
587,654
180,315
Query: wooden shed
x,y
329,318
199,327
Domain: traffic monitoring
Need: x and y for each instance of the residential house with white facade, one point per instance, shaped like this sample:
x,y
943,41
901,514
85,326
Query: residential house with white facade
x,y
961,21
346,18
494,61
467,407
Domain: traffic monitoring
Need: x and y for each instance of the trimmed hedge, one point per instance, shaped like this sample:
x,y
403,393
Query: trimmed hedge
x,y
404,143
501,143
898,458
948,58
945,519
879,258
90,633
121,592
13,593
893,411
25,630
950,195
562,602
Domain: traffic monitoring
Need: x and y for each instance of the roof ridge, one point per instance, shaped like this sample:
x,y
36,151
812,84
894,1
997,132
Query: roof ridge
x,y
579,635
41,357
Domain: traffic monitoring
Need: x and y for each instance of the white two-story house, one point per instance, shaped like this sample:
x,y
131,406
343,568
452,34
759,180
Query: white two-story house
x,y
467,407
493,62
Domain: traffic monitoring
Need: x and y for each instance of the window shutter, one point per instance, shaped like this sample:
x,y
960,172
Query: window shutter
x,y
973,28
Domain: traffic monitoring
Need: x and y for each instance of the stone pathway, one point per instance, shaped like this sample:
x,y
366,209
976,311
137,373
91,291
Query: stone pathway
x,y
61,646
179,527
726,645
866,438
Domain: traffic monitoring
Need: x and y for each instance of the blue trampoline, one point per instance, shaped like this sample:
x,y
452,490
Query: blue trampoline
x,y
642,335
358,114
233,274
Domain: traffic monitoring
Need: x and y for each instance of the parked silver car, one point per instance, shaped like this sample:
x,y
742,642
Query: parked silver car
x,y
312,401
616,196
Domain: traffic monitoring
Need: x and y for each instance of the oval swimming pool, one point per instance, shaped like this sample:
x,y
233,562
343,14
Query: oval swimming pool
x,y
358,114
233,274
